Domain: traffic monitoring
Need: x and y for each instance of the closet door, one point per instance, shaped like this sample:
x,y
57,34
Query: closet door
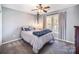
x,y
0,26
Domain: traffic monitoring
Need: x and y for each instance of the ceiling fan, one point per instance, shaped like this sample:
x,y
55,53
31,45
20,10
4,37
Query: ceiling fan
x,y
41,8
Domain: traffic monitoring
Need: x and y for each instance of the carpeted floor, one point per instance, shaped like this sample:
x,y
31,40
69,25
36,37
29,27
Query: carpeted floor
x,y
21,47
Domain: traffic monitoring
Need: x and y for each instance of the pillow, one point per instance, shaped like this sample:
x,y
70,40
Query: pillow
x,y
25,29
22,28
31,28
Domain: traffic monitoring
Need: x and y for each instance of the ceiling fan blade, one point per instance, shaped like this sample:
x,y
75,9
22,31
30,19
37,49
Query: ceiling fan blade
x,y
46,7
45,11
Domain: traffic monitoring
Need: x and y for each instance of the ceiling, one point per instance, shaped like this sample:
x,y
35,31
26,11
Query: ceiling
x,y
28,7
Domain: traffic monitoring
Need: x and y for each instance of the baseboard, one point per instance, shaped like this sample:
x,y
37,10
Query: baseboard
x,y
11,41
0,44
20,39
65,41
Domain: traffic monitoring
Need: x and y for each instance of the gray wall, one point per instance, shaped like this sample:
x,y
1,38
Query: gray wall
x,y
71,21
0,25
12,21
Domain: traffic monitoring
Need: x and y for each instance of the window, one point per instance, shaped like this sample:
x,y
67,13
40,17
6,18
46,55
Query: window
x,y
57,23
52,22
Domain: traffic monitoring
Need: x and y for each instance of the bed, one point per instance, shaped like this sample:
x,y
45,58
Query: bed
x,y
36,42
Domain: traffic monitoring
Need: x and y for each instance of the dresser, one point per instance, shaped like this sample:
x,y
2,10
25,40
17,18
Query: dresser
x,y
77,39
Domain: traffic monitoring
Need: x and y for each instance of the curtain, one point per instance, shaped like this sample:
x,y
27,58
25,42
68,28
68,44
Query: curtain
x,y
62,25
